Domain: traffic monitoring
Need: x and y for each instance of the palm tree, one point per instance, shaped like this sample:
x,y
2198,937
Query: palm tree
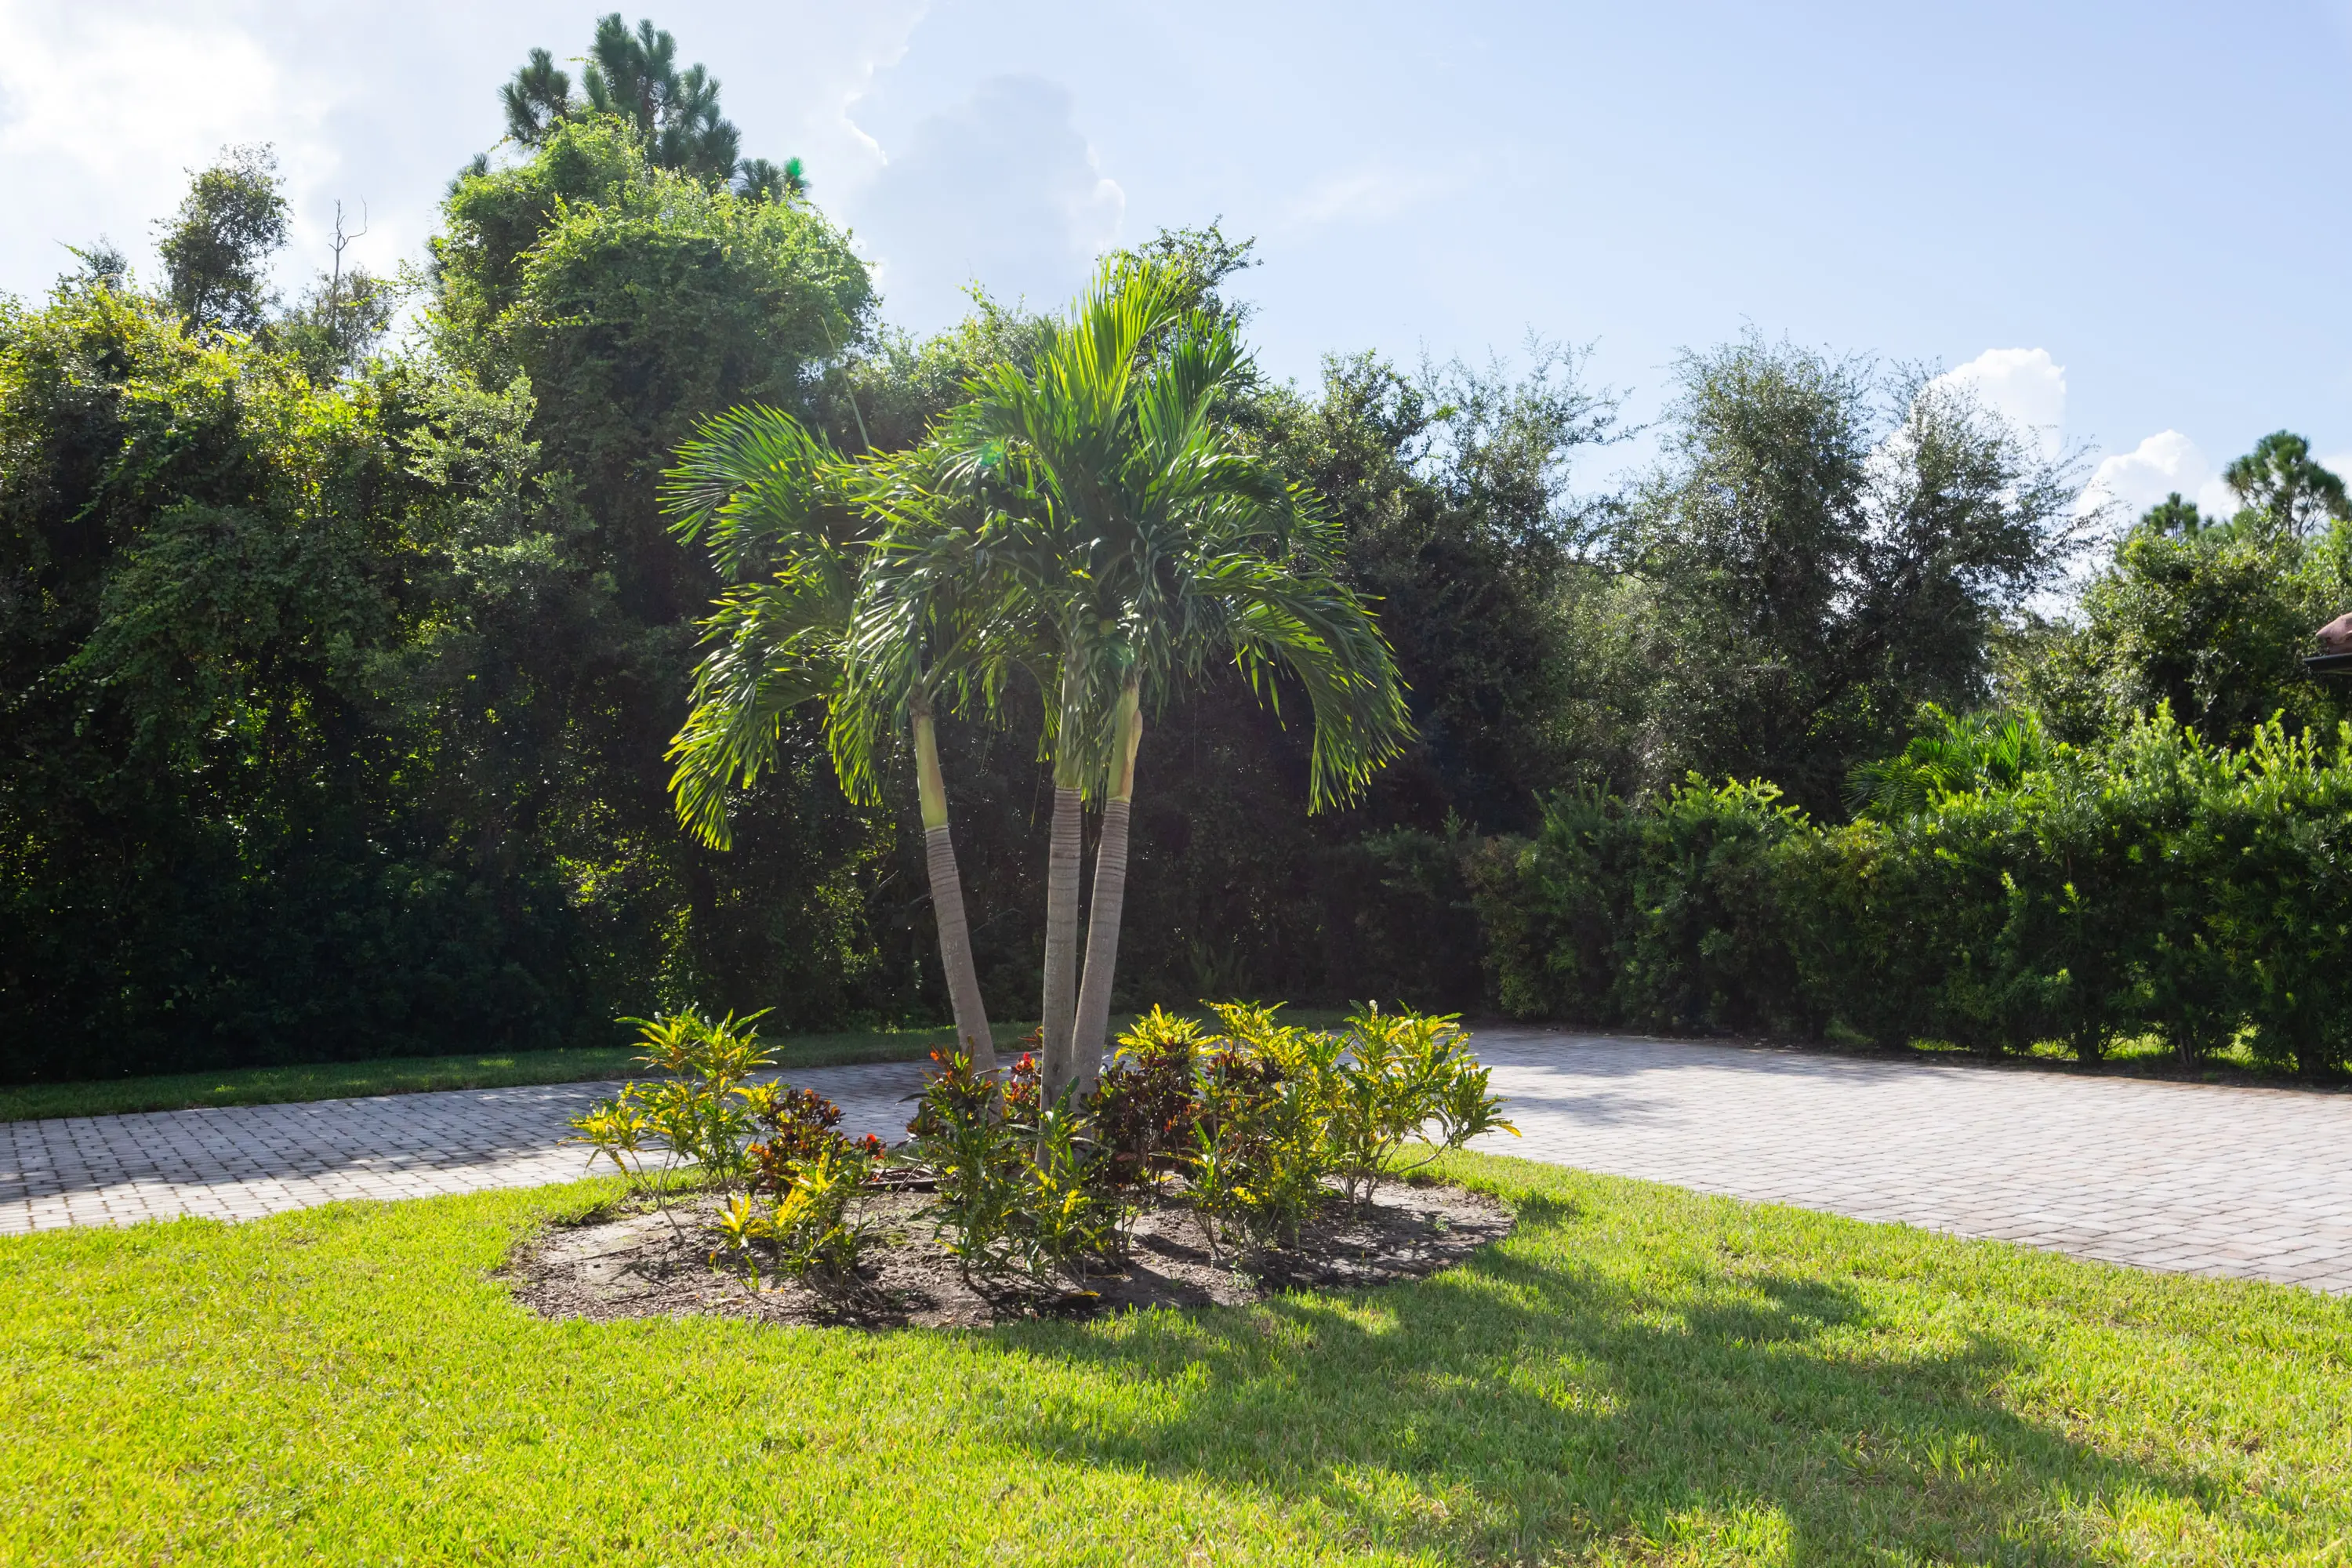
x,y
1138,537
802,530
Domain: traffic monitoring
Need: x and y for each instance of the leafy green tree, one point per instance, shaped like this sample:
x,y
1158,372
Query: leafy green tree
x,y
1823,549
217,248
247,781
1452,491
636,303
343,316
2211,622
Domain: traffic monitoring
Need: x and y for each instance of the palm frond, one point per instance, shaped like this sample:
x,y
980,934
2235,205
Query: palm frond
x,y
758,487
773,646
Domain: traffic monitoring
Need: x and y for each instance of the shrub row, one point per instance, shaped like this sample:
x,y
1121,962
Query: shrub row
x,y
2155,886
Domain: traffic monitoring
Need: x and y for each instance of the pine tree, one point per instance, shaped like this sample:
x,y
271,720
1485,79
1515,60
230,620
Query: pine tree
x,y
632,75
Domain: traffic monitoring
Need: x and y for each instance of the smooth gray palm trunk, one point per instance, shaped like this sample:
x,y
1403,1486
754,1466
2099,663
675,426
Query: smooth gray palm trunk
x,y
1102,947
1092,1037
1059,1005
972,1032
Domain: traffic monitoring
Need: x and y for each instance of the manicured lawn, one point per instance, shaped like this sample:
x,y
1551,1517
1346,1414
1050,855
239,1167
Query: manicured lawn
x,y
1639,1375
411,1075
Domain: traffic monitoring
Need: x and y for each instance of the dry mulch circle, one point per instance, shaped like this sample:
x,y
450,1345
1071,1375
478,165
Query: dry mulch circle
x,y
628,1262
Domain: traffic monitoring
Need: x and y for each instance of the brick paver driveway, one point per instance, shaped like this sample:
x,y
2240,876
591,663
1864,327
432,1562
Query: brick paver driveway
x,y
241,1160
2249,1182
2255,1182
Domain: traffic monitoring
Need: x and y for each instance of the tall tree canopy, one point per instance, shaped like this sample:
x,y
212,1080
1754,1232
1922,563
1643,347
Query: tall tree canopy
x,y
1823,549
2286,488
633,76
338,679
2210,622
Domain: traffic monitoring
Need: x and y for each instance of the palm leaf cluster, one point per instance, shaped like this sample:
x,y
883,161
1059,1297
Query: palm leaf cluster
x,y
1971,752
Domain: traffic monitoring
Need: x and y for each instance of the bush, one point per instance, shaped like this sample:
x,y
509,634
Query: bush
x,y
2158,885
1017,1191
1143,1109
791,1179
1395,1076
1260,1150
1660,917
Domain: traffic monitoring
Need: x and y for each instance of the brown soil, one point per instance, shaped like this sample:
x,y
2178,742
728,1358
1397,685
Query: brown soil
x,y
628,1263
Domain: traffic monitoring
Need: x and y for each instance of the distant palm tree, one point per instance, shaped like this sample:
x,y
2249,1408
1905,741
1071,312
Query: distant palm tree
x,y
1132,538
796,524
1964,754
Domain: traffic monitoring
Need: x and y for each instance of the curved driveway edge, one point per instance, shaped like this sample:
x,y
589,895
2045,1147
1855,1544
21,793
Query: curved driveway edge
x,y
2195,1178
241,1160
2243,1182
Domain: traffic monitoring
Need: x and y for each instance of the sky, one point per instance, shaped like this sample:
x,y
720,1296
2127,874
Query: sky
x,y
2124,225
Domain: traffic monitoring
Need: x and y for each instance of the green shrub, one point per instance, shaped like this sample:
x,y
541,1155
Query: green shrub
x,y
1260,1127
2158,885
792,1181
1283,1116
975,1152
1659,917
1142,1110
1398,1077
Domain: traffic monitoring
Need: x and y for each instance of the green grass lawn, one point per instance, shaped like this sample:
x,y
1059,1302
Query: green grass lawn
x,y
1640,1374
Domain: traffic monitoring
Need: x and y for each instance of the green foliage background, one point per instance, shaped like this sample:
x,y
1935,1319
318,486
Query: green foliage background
x,y
335,676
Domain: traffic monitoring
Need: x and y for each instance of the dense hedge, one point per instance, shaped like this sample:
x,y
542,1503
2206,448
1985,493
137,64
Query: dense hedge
x,y
2157,886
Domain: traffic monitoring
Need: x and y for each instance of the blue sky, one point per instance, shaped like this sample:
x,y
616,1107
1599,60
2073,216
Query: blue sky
x,y
2126,223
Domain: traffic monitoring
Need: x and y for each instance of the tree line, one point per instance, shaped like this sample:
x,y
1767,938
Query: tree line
x,y
342,672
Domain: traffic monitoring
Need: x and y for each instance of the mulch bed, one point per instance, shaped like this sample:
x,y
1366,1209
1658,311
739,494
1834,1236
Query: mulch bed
x,y
628,1262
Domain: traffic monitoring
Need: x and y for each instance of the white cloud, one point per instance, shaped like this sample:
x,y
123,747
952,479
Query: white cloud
x,y
103,109
2166,463
1002,189
2022,385
104,104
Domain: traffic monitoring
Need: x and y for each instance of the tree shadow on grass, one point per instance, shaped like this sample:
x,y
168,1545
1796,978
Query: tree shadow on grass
x,y
1515,1409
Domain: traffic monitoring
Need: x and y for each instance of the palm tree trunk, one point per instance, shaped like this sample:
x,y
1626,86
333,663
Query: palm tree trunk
x,y
1058,1007
947,898
1059,1004
1109,900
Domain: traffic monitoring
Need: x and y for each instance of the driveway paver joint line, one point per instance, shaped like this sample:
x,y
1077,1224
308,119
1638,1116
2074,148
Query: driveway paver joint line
x,y
2139,1172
